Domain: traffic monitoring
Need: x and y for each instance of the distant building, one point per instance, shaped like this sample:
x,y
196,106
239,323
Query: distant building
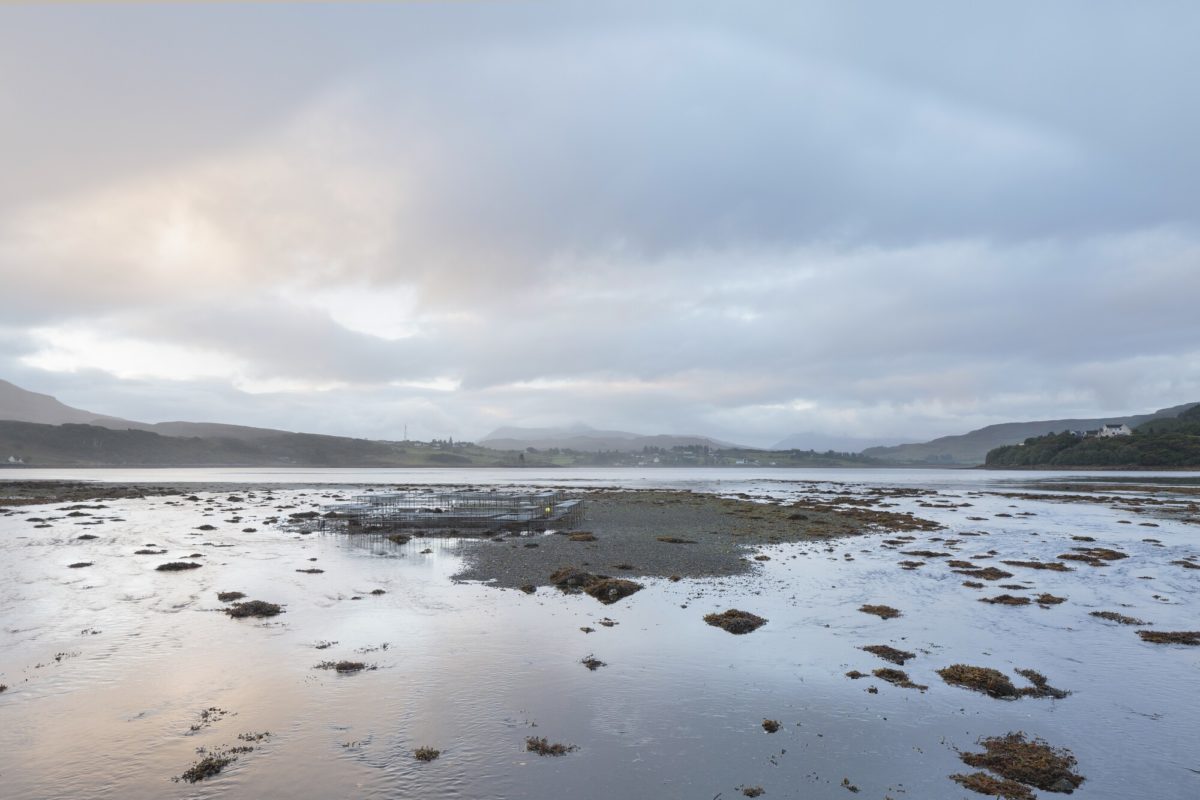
x,y
15,460
1107,431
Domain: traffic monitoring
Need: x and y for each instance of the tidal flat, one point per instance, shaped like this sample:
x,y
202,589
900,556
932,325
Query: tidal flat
x,y
290,662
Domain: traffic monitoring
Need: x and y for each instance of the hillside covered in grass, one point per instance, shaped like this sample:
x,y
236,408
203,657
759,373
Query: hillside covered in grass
x,y
1170,443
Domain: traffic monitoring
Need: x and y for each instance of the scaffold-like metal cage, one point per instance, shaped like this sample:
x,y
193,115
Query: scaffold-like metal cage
x,y
466,511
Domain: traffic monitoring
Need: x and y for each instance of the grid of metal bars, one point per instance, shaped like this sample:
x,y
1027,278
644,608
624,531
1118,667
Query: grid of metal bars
x,y
472,510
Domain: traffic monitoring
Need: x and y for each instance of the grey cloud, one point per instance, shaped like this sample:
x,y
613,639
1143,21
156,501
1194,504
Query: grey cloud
x,y
699,217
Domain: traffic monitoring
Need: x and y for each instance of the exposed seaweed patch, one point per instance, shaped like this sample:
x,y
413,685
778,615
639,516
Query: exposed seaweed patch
x,y
581,536
896,677
1113,616
1029,761
770,725
889,653
605,589
753,791
986,680
1045,600
855,674
1171,637
207,767
676,540
80,564
1041,687
253,608
543,747
344,667
229,597
426,754
1006,600
177,566
986,573
1093,556
735,621
311,571
592,663
1055,566
884,612
986,784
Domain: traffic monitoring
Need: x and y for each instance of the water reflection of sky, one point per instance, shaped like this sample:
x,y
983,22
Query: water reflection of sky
x,y
471,670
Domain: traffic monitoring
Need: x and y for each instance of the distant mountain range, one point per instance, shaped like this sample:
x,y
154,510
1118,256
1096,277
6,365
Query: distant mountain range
x,y
38,430
971,449
42,430
22,405
586,439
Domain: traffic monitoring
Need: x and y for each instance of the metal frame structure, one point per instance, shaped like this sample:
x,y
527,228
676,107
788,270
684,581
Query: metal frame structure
x,y
454,511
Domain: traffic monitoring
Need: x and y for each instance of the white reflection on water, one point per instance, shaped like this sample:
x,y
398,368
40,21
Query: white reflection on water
x,y
471,670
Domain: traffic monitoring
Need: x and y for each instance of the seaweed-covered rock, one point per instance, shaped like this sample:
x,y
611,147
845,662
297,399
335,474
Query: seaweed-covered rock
x,y
253,608
177,566
605,589
1171,637
1029,761
736,621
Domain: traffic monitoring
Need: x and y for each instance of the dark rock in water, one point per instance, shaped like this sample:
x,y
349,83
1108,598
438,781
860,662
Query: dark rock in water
x,y
87,537
177,566
206,527
735,621
79,565
229,597
528,588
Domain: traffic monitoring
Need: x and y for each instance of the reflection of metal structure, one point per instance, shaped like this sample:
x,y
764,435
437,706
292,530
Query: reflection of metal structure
x,y
453,511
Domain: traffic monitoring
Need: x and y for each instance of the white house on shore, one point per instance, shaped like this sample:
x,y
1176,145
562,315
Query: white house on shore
x,y
1107,431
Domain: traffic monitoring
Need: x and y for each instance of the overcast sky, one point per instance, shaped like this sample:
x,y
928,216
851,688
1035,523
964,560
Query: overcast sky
x,y
743,219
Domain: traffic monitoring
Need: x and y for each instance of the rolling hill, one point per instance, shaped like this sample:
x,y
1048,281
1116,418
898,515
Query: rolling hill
x,y
971,449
